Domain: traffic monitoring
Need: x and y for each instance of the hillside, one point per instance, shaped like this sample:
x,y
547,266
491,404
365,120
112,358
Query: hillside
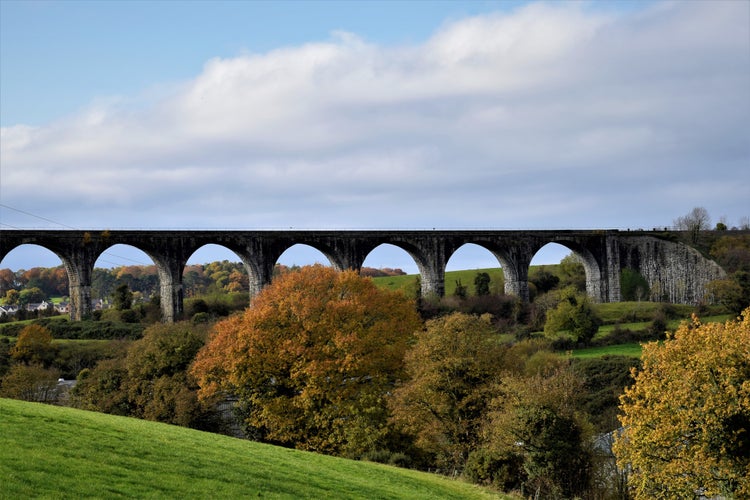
x,y
466,277
48,451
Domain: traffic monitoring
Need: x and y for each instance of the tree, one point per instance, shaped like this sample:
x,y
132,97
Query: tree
x,y
30,296
543,280
633,286
482,284
460,291
152,380
694,222
30,383
34,346
12,297
572,272
574,316
312,360
537,418
122,298
687,416
452,365
158,384
728,293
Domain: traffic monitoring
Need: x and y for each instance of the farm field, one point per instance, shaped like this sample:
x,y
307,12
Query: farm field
x,y
53,452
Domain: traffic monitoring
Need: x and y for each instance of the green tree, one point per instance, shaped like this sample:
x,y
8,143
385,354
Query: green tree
x,y
687,416
543,280
102,388
122,299
30,296
482,284
574,316
312,360
11,297
728,293
452,366
633,286
152,381
537,418
572,272
461,291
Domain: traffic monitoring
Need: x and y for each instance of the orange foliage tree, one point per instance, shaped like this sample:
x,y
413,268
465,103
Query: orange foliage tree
x,y
686,418
312,360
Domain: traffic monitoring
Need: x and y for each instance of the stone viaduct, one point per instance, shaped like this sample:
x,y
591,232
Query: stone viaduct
x,y
675,271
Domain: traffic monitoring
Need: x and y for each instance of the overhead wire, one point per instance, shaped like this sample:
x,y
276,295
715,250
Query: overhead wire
x,y
67,227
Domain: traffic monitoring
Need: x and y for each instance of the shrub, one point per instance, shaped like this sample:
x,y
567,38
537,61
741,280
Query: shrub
x,y
503,471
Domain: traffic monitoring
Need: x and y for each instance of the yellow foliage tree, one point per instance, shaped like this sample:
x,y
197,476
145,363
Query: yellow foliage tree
x,y
686,418
312,360
34,345
453,365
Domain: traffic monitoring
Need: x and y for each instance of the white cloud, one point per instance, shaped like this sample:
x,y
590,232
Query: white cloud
x,y
553,115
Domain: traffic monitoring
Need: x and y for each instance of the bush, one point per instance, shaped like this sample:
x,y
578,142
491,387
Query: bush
x,y
503,471
130,316
201,318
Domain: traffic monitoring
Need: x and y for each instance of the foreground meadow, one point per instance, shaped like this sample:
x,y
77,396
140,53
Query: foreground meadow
x,y
53,452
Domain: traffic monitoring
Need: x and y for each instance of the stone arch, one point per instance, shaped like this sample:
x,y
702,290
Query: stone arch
x,y
392,250
41,251
42,257
513,264
317,248
432,273
591,266
113,256
489,258
391,259
74,260
209,246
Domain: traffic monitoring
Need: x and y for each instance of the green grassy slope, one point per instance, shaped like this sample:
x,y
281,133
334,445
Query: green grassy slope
x,y
466,278
53,452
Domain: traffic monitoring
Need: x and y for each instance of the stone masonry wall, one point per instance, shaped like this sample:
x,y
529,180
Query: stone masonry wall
x,y
674,271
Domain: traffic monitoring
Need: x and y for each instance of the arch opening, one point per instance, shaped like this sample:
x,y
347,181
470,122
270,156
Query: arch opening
x,y
33,283
561,264
393,267
298,255
123,264
482,271
212,269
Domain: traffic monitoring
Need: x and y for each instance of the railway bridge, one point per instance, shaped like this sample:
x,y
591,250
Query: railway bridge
x,y
675,272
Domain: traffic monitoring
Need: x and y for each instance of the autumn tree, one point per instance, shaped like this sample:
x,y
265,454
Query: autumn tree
x,y
312,360
31,382
687,416
34,346
537,418
452,366
152,381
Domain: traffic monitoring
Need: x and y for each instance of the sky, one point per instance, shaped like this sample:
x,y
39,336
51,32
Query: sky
x,y
370,115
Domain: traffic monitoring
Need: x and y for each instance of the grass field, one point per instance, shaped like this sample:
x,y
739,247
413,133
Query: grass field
x,y
632,349
53,452
466,277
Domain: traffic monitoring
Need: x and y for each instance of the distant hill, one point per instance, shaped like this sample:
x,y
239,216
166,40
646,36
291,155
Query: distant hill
x,y
48,451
